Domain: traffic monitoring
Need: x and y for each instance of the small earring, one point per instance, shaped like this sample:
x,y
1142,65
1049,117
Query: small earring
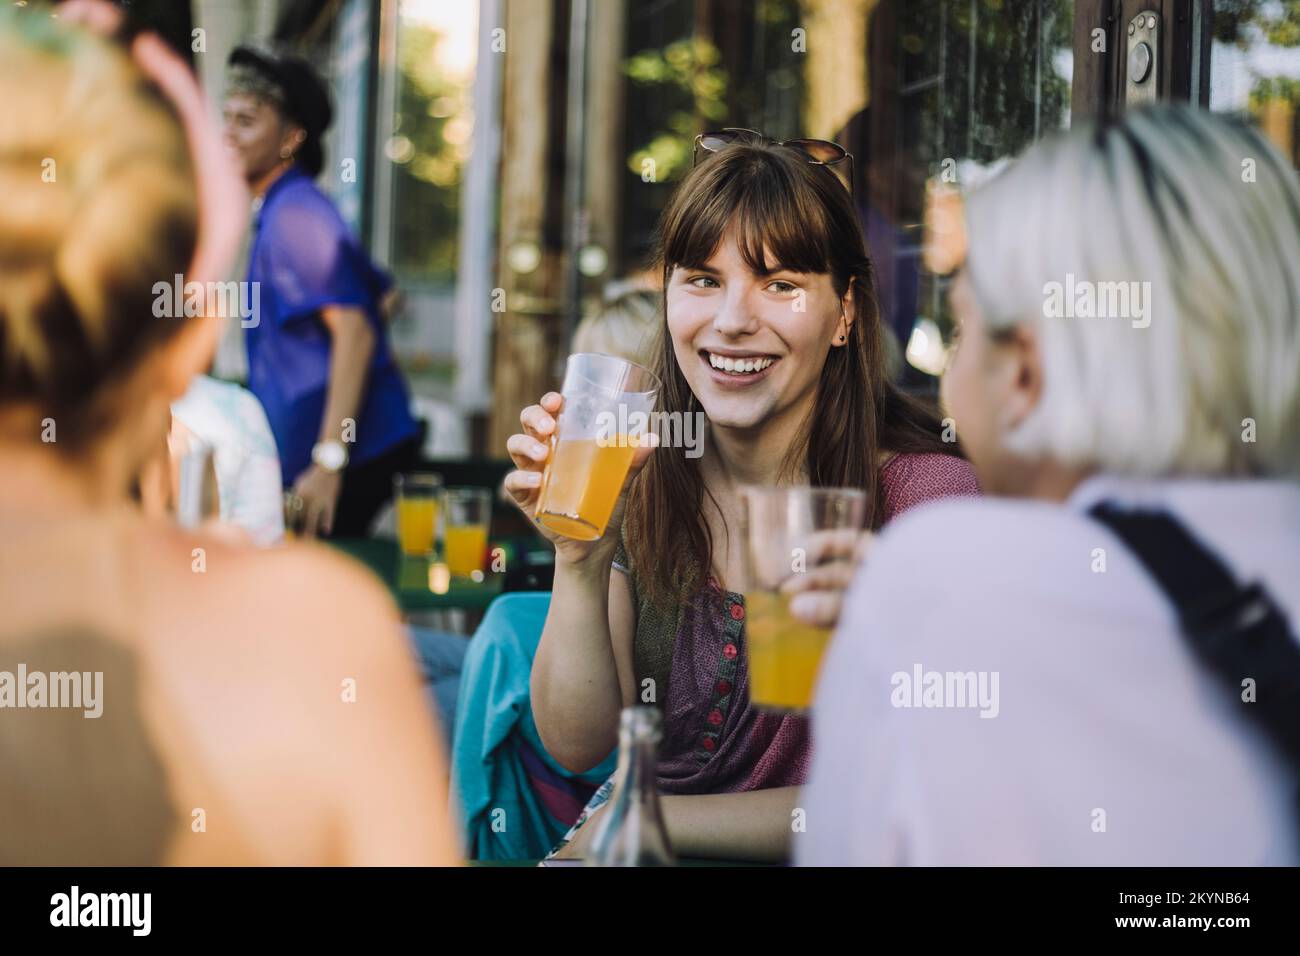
x,y
842,338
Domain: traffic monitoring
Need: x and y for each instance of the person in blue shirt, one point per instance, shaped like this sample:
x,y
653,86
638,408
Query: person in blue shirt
x,y
318,356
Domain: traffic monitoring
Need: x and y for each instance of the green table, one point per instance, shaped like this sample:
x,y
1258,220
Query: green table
x,y
423,584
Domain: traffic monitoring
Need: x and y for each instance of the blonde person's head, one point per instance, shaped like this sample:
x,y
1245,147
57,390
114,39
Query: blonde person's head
x,y
624,327
97,204
1200,375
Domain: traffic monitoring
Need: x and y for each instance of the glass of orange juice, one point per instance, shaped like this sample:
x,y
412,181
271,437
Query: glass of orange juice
x,y
467,512
417,496
784,533
606,411
295,515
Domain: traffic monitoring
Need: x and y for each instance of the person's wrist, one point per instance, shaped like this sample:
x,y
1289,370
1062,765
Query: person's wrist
x,y
593,566
314,473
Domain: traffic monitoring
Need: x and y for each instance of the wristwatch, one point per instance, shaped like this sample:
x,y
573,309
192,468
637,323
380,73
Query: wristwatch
x,y
330,455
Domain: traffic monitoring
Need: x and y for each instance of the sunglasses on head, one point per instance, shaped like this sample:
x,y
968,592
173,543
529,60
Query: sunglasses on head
x,y
816,152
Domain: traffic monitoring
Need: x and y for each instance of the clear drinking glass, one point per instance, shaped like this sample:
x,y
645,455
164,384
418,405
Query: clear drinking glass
x,y
416,502
788,531
467,512
196,483
606,410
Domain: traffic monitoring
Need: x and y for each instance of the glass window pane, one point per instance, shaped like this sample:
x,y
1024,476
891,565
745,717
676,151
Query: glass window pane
x,y
1255,67
917,90
436,43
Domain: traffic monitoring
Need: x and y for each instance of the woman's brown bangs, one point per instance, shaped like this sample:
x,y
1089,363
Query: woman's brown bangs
x,y
769,207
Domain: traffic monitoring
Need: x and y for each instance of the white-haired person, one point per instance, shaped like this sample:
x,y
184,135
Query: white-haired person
x,y
1098,663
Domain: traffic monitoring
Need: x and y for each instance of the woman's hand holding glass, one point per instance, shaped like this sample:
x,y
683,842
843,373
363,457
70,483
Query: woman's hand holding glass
x,y
833,557
531,451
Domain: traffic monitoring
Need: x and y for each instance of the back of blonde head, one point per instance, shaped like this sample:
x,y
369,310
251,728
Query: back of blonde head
x,y
97,204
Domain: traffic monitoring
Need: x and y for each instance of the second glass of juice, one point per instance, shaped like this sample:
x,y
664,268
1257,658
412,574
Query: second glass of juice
x,y
295,515
467,513
606,411
785,531
416,495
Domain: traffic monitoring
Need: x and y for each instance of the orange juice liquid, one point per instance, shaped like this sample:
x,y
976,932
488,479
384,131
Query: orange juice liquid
x,y
466,548
582,485
416,520
784,653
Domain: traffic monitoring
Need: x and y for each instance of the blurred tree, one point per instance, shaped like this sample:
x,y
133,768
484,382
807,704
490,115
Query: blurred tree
x,y
700,65
1274,100
1279,21
428,148
694,88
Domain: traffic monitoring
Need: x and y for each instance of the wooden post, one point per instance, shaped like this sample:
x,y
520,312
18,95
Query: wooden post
x,y
529,347
606,162
528,273
1092,88
1183,68
837,75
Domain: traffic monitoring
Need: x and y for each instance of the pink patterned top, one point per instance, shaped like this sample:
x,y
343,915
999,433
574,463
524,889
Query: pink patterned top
x,y
714,741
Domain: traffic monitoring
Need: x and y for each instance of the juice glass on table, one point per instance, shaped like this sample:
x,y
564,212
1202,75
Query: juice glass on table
x,y
606,411
466,515
295,515
781,533
416,496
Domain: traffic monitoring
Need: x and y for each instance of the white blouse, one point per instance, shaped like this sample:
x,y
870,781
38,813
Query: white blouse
x,y
230,420
1008,686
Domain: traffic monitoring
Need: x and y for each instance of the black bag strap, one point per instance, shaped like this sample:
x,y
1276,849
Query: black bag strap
x,y
1236,630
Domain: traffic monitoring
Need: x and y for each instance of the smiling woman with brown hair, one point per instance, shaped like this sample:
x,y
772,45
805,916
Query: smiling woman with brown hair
x,y
772,335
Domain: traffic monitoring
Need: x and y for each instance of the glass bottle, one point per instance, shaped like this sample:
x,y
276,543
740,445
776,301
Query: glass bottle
x,y
632,832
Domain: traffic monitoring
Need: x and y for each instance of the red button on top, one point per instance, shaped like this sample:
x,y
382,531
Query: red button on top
x,y
723,687
715,717
729,652
737,612
707,743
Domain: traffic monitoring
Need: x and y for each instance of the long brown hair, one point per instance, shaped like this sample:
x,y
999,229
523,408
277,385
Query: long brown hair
x,y
801,214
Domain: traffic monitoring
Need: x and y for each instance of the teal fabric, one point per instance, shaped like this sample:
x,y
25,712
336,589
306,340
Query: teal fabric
x,y
502,818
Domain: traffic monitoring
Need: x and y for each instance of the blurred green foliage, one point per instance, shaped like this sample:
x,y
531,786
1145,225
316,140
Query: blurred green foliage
x,y
1279,20
1243,23
1269,88
690,80
427,151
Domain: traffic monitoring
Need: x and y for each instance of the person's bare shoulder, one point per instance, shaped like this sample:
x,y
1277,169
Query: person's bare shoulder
x,y
322,593
302,617
297,656
376,751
